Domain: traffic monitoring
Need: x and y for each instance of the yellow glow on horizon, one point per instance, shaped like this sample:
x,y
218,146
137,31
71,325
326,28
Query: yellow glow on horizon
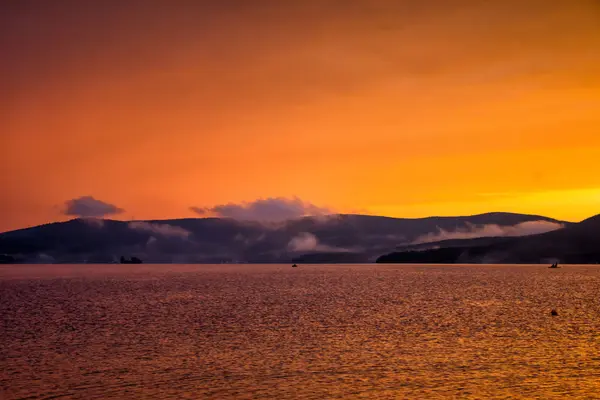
x,y
568,205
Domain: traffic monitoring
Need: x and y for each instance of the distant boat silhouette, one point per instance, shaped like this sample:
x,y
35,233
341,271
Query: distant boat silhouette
x,y
555,265
132,260
294,266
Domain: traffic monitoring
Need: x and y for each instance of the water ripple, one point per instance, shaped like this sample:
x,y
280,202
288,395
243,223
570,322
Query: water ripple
x,y
252,332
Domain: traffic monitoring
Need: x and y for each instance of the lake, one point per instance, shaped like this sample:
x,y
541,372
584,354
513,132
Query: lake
x,y
313,332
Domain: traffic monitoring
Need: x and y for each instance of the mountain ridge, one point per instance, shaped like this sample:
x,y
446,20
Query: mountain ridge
x,y
574,244
329,238
335,215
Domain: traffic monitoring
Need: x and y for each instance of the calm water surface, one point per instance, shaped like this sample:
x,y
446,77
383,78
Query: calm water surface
x,y
264,331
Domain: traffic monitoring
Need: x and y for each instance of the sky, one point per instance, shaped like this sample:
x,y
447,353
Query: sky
x,y
406,108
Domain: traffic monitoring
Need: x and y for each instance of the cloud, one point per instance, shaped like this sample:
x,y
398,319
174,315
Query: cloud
x,y
151,241
491,230
89,207
247,241
533,228
306,242
160,229
45,258
270,209
199,210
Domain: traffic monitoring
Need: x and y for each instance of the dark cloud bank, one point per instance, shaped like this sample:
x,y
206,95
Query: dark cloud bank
x,y
272,209
89,207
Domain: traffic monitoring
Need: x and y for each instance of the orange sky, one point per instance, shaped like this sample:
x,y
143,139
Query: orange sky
x,y
402,107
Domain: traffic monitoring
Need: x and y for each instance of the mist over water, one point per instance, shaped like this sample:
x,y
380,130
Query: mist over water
x,y
271,331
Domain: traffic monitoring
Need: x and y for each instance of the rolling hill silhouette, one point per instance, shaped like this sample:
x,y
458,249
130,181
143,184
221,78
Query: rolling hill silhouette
x,y
333,238
574,244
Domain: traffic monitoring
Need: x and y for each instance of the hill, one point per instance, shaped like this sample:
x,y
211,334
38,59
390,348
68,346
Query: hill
x,y
333,238
574,244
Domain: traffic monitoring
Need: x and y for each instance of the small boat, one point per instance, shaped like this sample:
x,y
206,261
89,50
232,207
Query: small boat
x,y
555,265
132,260
294,266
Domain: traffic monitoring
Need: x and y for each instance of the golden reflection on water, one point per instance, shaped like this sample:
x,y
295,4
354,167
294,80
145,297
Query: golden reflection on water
x,y
259,331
